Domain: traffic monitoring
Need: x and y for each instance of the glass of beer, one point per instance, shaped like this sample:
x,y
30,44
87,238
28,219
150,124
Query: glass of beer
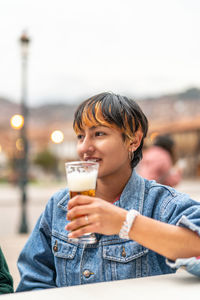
x,y
81,180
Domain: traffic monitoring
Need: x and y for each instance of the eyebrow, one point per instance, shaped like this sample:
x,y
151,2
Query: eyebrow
x,y
95,127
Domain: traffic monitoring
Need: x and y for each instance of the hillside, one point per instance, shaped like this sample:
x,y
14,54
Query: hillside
x,y
164,108
172,107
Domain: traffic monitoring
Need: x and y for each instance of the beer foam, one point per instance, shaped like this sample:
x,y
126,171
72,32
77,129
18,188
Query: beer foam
x,y
80,182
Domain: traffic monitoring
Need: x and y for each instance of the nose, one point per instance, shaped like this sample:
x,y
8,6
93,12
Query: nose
x,y
86,146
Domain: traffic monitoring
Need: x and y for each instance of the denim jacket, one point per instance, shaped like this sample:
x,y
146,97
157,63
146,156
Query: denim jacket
x,y
50,259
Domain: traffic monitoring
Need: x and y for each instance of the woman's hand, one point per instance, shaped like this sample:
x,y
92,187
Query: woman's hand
x,y
91,214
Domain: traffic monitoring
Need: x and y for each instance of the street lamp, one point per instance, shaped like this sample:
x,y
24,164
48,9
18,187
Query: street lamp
x,y
23,179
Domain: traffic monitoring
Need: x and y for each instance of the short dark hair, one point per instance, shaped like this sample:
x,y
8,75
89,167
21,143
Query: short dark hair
x,y
166,142
112,109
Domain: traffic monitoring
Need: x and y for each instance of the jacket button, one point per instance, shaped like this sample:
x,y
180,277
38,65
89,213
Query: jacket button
x,y
123,252
55,247
87,273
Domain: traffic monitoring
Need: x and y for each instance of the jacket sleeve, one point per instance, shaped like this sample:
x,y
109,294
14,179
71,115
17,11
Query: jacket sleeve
x,y
191,265
185,213
6,281
36,262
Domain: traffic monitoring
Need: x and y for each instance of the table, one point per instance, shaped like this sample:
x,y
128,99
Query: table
x,y
177,286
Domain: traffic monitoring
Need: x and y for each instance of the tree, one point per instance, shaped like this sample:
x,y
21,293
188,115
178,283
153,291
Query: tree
x,y
46,160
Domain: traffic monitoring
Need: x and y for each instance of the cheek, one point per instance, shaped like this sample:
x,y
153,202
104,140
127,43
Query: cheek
x,y
78,149
116,149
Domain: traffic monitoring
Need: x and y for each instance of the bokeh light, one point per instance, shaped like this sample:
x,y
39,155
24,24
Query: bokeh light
x,y
17,121
153,136
57,136
20,144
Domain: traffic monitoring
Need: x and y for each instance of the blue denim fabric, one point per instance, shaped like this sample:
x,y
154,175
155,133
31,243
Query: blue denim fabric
x,y
192,265
50,259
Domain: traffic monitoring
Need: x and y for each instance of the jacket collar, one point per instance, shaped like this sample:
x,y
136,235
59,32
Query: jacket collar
x,y
132,196
64,201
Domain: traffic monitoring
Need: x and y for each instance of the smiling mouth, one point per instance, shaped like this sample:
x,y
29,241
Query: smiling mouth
x,y
94,159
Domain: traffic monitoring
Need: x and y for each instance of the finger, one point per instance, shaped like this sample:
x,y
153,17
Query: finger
x,y
79,222
79,200
79,211
81,231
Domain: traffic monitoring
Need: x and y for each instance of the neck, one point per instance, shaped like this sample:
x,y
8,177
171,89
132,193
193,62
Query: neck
x,y
110,188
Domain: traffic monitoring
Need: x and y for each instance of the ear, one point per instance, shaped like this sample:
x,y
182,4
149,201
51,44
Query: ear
x,y
136,140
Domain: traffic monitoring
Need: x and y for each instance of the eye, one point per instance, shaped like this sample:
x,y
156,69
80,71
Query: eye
x,y
99,133
80,136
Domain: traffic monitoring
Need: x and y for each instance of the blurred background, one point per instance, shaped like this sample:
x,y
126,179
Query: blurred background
x,y
55,54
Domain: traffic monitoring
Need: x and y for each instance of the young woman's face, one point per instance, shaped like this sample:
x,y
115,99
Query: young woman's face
x,y
106,146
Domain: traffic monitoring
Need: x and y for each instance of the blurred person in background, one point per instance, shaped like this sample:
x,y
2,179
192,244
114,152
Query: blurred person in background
x,y
6,281
159,162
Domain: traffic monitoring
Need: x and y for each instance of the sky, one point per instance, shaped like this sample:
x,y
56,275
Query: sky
x,y
79,48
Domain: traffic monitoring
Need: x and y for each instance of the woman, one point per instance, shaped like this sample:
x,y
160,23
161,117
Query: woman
x,y
134,219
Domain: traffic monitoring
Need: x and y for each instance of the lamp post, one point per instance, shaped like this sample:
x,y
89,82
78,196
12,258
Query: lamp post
x,y
23,179
57,137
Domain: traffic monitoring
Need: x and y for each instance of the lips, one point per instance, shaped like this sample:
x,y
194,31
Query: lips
x,y
94,159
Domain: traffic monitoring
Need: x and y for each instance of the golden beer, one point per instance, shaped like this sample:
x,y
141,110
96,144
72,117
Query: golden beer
x,y
81,180
90,193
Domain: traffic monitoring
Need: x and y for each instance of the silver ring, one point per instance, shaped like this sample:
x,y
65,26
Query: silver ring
x,y
86,219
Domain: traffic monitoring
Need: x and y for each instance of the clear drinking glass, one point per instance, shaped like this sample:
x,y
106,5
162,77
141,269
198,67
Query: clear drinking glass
x,y
81,180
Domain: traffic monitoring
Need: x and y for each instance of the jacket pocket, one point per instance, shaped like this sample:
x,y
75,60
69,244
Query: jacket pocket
x,y
125,260
124,252
62,249
65,261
